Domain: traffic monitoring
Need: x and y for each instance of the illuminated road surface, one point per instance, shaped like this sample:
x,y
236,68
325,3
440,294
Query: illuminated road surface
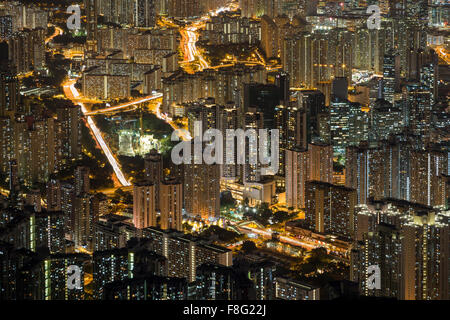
x,y
58,32
4,192
125,105
282,238
443,55
72,93
190,37
185,135
188,44
337,253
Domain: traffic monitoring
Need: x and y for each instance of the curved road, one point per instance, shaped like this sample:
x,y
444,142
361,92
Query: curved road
x,y
189,37
58,32
125,105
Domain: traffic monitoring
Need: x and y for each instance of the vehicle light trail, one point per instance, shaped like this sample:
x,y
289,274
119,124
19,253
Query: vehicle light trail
x,y
58,32
4,192
125,105
282,238
309,245
188,45
443,55
185,136
72,94
190,37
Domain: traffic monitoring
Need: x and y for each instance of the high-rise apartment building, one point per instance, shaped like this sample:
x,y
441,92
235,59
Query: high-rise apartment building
x,y
389,80
92,10
230,29
229,120
33,198
112,232
68,207
147,288
137,13
54,195
47,278
153,163
314,163
216,282
400,170
191,8
253,122
292,125
385,119
201,189
313,104
9,92
144,205
409,243
82,184
417,112
171,204
6,27
330,208
153,166
27,50
366,172
290,289
83,221
349,125
69,120
144,13
32,230
185,253
135,260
